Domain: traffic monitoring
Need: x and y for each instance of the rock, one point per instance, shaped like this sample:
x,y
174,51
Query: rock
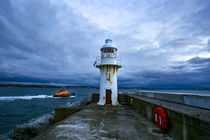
x,y
35,126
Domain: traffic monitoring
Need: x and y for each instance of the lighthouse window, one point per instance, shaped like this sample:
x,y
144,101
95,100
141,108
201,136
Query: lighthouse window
x,y
108,53
108,76
110,50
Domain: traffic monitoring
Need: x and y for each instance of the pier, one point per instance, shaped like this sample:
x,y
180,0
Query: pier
x,y
104,122
132,119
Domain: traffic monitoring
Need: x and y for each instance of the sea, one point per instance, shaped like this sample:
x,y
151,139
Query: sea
x,y
19,105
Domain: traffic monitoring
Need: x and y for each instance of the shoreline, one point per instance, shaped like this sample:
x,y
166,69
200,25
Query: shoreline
x,y
120,87
44,86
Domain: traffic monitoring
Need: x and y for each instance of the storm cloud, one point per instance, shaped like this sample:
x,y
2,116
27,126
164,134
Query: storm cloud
x,y
162,43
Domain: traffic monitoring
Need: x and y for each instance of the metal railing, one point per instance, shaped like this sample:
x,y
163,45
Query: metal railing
x,y
99,62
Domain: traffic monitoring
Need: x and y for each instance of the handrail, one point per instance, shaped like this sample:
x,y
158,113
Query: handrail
x,y
98,61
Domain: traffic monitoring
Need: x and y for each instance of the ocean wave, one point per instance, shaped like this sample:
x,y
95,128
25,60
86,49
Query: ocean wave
x,y
38,125
28,97
33,127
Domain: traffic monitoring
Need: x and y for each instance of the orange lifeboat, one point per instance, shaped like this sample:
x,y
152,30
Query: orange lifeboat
x,y
63,93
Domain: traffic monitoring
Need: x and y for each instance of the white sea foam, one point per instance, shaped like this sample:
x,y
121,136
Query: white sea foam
x,y
33,127
28,97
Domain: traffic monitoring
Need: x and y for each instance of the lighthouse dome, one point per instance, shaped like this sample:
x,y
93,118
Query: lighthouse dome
x,y
108,44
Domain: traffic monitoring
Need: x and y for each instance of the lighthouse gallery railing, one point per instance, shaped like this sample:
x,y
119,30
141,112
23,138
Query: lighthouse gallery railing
x,y
99,62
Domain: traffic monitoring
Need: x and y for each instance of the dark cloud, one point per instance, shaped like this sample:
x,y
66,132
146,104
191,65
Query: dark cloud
x,y
208,45
33,43
169,79
57,42
199,60
178,67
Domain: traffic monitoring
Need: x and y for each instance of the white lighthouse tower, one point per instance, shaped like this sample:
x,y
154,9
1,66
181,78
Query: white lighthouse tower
x,y
108,63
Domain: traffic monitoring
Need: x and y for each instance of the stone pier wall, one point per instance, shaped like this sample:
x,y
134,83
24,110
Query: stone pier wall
x,y
197,100
185,122
63,112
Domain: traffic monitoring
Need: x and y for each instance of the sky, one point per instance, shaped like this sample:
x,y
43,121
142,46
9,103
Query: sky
x,y
163,44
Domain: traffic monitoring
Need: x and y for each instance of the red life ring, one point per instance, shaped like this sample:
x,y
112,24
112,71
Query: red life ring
x,y
161,118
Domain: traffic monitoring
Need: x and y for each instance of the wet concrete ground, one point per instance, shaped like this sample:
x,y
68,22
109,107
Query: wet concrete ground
x,y
102,123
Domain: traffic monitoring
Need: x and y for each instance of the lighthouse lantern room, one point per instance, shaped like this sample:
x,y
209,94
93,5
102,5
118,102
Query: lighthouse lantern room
x,y
108,63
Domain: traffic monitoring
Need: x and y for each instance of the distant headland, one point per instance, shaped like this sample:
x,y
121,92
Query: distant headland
x,y
122,87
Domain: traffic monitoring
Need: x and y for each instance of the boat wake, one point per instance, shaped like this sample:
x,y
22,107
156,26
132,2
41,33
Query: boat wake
x,y
28,97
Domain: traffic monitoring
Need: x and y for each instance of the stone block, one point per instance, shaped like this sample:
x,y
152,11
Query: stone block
x,y
63,112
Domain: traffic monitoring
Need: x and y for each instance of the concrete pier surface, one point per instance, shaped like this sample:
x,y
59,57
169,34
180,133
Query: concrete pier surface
x,y
104,122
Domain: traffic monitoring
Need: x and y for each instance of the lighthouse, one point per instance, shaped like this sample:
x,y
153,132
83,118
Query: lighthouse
x,y
108,63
